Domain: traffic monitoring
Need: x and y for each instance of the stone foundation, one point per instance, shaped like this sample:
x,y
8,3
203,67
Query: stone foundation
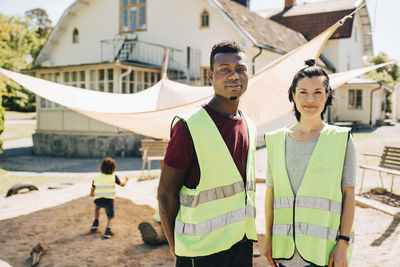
x,y
71,145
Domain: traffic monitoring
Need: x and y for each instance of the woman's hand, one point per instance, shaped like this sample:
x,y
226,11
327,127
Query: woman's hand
x,y
268,254
339,255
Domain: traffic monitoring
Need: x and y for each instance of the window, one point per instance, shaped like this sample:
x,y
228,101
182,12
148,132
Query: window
x,y
110,78
204,76
101,81
355,99
42,102
132,15
82,79
138,80
204,19
75,36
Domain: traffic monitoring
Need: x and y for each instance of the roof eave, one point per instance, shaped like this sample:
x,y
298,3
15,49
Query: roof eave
x,y
41,57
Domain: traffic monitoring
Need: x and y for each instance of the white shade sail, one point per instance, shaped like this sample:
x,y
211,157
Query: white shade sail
x,y
151,111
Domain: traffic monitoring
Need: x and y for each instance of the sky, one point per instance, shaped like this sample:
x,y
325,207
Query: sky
x,y
384,23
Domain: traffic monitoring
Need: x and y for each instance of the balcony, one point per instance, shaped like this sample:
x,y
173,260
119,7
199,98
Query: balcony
x,y
182,67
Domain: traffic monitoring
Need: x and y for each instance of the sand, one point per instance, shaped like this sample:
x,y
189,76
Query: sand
x,y
65,228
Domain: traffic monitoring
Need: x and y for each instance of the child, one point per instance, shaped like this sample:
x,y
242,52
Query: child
x,y
103,191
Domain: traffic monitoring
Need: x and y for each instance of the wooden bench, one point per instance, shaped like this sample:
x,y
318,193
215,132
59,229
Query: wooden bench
x,y
389,163
152,150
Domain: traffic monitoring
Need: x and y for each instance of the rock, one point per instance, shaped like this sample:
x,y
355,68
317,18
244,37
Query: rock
x,y
152,233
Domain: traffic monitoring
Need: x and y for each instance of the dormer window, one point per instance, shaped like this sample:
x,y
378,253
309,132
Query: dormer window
x,y
204,19
132,15
75,36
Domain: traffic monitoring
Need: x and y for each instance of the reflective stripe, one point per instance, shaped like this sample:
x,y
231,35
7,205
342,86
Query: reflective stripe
x,y
251,211
283,202
251,186
104,186
282,229
309,202
210,225
308,229
104,194
319,203
211,194
215,223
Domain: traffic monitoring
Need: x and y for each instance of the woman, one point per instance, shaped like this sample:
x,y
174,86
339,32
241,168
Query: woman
x,y
309,204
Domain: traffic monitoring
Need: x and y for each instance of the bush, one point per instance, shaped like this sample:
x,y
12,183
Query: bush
x,y
1,126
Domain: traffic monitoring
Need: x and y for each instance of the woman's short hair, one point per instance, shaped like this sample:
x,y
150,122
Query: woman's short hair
x,y
310,71
108,166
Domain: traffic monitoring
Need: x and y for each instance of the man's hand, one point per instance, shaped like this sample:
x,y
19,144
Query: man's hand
x,y
126,179
339,255
172,251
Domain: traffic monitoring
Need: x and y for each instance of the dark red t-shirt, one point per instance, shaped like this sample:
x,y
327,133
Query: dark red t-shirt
x,y
181,153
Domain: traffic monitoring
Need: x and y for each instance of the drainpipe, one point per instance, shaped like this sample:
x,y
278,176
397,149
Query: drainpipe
x,y
370,104
121,77
254,59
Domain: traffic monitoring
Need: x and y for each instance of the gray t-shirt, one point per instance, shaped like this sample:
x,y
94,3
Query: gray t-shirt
x,y
298,154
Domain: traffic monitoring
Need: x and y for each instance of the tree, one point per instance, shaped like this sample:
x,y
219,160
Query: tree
x,y
40,18
389,74
20,42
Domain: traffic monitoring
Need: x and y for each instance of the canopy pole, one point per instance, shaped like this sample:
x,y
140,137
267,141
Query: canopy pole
x,y
165,64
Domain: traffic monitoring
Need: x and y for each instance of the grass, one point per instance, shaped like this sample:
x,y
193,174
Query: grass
x,y
7,181
18,131
15,115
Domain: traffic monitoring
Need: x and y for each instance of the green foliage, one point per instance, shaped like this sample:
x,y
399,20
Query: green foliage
x,y
389,74
1,126
20,42
41,20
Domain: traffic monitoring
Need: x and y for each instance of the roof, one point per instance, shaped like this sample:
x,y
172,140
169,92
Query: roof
x,y
311,19
57,31
369,81
321,7
261,31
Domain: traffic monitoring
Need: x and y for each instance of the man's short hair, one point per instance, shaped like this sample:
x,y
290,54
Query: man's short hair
x,y
224,47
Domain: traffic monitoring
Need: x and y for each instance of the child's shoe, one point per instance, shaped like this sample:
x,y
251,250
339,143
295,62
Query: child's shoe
x,y
108,233
95,226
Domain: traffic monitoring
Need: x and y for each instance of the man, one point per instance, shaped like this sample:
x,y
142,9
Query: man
x,y
206,193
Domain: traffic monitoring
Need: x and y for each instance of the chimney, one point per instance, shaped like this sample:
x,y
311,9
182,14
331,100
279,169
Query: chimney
x,y
289,3
245,3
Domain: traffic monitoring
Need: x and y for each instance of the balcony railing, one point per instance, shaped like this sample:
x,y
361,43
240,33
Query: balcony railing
x,y
128,49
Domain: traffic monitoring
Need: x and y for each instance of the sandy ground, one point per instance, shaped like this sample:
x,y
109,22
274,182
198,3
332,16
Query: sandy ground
x,y
62,217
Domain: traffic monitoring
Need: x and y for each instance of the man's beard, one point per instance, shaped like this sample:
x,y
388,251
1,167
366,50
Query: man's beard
x,y
233,98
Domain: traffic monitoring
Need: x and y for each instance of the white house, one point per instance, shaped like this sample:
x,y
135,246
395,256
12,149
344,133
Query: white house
x,y
118,45
343,51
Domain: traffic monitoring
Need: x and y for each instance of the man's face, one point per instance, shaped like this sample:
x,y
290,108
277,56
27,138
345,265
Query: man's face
x,y
229,77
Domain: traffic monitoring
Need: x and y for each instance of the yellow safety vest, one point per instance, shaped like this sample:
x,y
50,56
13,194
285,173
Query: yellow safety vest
x,y
156,215
309,221
221,209
104,186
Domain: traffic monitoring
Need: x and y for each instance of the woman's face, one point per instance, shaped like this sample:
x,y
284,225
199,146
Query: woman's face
x,y
310,96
